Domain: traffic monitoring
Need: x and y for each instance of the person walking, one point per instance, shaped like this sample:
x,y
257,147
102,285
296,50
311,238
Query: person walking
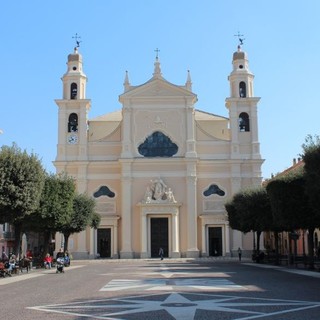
x,y
161,253
239,253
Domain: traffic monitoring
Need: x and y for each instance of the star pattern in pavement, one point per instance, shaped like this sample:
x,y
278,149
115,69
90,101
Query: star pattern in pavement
x,y
186,306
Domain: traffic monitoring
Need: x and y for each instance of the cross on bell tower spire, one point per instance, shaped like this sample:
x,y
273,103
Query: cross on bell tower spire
x,y
241,39
77,39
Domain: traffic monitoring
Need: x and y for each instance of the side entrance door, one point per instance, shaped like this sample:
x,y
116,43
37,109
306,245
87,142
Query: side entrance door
x,y
159,236
104,242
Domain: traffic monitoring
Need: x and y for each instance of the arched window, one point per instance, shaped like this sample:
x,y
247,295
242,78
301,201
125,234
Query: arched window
x,y
157,145
73,123
104,191
74,91
242,89
244,123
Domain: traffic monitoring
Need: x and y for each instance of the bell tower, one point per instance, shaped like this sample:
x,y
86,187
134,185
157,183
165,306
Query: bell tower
x,y
242,106
73,113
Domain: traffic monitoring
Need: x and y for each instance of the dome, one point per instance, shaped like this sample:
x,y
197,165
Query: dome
x,y
75,56
240,55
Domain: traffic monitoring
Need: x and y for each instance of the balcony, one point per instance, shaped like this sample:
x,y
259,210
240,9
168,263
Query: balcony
x,y
8,235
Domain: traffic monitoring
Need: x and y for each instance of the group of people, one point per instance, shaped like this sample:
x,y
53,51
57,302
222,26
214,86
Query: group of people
x,y
10,262
47,261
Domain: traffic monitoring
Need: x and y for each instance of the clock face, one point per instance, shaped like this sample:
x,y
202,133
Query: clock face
x,y
73,139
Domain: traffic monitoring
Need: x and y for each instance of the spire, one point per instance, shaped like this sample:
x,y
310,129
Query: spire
x,y
189,83
157,70
126,83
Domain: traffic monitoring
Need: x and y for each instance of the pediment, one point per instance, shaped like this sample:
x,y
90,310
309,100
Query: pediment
x,y
157,88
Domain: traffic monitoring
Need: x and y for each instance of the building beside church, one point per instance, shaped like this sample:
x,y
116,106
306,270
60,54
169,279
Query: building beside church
x,y
159,169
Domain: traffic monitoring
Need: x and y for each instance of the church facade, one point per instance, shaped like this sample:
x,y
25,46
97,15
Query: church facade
x,y
159,169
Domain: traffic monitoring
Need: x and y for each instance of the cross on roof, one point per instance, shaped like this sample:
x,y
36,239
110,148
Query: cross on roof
x,y
76,37
157,52
240,38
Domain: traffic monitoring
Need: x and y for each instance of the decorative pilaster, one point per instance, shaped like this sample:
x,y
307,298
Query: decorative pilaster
x,y
126,183
191,143
204,252
192,251
126,145
175,236
144,236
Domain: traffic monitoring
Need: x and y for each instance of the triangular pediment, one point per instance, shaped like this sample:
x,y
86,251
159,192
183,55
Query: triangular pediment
x,y
157,88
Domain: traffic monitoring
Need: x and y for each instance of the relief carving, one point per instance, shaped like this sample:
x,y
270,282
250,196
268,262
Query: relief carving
x,y
158,192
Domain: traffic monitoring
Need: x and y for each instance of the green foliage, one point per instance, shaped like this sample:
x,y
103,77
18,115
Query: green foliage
x,y
21,183
289,201
56,205
310,144
249,210
95,220
311,159
82,214
234,220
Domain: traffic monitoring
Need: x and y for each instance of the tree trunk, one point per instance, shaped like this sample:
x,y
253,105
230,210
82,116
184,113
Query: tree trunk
x,y
258,241
66,240
311,248
258,256
17,239
276,240
46,236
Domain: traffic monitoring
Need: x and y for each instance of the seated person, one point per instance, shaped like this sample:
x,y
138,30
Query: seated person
x,y
66,259
47,261
2,269
12,263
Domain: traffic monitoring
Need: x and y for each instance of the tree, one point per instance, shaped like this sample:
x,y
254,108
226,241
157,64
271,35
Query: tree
x,y
249,210
290,203
56,204
83,215
311,158
21,183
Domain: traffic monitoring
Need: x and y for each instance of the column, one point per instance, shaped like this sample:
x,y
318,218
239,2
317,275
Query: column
x,y
144,235
191,147
126,183
126,144
115,253
227,237
192,251
204,252
92,252
175,236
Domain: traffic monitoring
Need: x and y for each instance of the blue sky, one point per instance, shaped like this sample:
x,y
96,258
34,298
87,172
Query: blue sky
x,y
282,39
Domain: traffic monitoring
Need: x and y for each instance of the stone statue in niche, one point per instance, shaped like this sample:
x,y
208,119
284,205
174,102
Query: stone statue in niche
x,y
158,192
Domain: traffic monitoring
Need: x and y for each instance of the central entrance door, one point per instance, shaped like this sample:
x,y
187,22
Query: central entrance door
x,y
215,241
159,236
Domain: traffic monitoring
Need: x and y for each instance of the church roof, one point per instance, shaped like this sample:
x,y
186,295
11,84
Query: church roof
x,y
112,116
203,115
199,115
